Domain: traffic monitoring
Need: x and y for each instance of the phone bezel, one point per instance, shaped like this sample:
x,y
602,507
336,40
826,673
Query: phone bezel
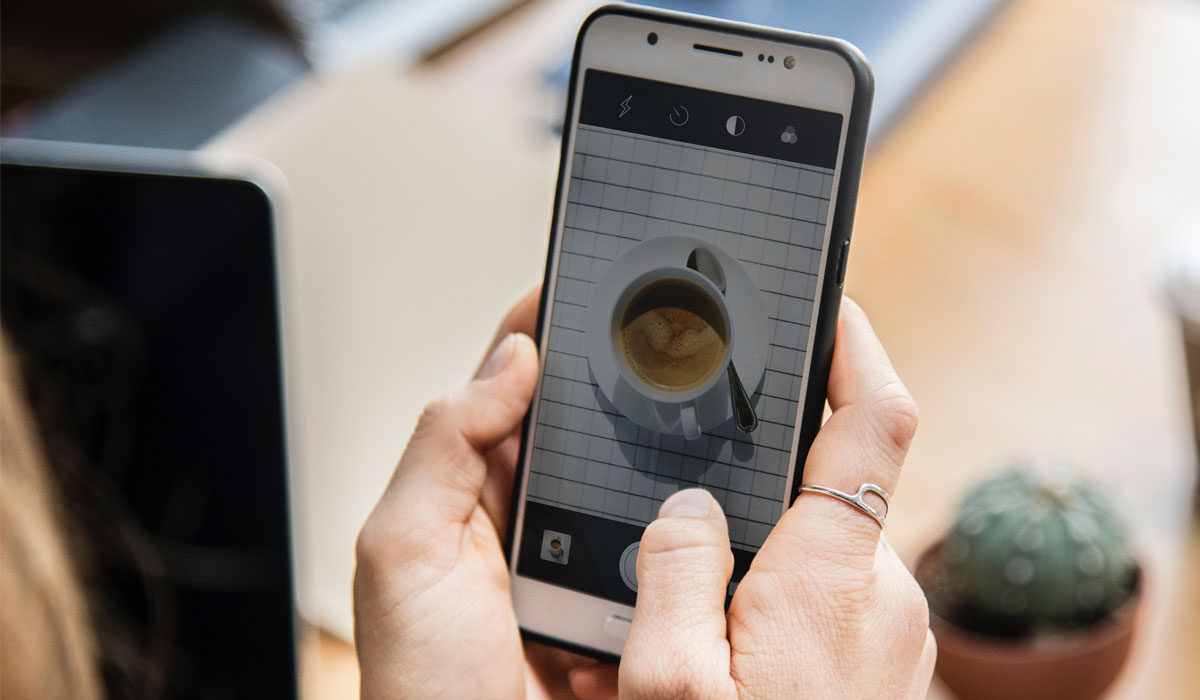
x,y
830,75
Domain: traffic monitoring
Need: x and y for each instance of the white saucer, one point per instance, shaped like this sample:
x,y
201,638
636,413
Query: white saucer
x,y
747,315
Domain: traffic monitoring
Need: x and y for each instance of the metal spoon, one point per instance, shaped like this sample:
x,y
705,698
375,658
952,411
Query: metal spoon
x,y
703,261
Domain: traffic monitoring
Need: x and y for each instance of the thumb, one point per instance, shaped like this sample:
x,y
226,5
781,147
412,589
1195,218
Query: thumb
x,y
442,472
677,644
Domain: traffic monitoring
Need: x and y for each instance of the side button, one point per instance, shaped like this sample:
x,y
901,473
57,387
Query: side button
x,y
617,627
843,254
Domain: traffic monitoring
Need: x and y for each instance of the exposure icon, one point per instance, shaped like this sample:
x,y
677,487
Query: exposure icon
x,y
735,125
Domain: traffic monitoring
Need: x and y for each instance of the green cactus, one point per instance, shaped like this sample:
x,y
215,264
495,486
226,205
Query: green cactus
x,y
1036,548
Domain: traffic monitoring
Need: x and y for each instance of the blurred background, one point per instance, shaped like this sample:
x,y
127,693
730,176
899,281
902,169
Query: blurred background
x,y
1025,242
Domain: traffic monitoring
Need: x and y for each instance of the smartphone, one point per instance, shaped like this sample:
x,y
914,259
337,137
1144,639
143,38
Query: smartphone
x,y
699,242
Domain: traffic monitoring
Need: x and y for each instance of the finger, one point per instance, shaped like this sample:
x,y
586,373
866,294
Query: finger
x,y
677,644
864,441
496,495
547,670
521,318
442,472
924,674
900,613
863,382
597,682
903,620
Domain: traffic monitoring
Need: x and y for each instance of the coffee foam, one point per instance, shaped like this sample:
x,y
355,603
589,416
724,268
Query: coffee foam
x,y
672,334
676,333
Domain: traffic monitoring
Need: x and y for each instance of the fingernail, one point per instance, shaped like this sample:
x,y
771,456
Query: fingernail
x,y
689,503
499,358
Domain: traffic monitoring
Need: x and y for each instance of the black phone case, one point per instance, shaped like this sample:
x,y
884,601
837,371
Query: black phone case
x,y
837,255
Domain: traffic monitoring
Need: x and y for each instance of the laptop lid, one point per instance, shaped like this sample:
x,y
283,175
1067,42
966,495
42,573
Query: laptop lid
x,y
138,291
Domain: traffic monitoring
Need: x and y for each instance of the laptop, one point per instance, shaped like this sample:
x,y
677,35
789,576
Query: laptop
x,y
337,34
139,296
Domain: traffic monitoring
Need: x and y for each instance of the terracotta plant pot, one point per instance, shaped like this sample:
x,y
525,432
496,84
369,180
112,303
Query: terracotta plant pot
x,y
1076,665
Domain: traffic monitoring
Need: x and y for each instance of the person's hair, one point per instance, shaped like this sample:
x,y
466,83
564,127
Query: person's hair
x,y
47,642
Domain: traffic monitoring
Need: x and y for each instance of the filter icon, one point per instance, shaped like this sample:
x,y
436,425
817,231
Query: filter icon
x,y
789,135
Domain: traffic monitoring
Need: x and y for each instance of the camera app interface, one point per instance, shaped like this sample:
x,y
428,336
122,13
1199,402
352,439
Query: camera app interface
x,y
679,327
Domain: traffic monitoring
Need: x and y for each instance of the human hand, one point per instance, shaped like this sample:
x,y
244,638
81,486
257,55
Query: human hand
x,y
433,616
827,609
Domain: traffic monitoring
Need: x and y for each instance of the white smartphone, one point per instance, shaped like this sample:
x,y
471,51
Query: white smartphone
x,y
701,226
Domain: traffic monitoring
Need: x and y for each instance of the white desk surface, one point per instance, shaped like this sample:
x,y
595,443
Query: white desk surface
x,y
412,224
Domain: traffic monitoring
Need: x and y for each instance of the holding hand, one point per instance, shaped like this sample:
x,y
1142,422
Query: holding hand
x,y
433,616
826,611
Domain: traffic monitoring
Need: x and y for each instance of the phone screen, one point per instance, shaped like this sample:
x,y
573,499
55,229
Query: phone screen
x,y
692,241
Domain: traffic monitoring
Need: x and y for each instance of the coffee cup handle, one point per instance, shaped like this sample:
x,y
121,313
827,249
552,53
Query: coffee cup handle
x,y
688,420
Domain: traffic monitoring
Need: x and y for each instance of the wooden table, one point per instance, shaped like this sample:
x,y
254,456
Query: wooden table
x,y
1004,249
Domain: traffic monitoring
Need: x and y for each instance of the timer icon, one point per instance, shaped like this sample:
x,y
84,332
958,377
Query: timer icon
x,y
679,115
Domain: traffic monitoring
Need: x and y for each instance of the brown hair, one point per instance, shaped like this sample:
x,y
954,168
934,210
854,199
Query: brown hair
x,y
47,644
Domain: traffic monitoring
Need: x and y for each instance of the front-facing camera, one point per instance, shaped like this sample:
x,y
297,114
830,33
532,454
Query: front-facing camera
x,y
652,38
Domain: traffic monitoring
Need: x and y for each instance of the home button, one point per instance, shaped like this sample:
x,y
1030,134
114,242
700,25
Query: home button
x,y
617,627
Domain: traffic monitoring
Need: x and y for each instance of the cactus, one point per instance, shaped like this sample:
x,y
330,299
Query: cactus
x,y
1036,548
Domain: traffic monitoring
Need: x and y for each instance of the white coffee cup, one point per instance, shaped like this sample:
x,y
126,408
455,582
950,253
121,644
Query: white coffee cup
x,y
671,407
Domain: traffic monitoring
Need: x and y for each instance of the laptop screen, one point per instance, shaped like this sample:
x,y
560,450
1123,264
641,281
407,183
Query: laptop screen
x,y
142,312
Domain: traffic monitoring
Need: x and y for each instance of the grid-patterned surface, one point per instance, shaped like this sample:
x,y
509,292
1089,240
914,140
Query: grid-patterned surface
x,y
625,189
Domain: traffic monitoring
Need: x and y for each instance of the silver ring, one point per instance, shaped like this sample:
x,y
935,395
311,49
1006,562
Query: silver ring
x,y
856,499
